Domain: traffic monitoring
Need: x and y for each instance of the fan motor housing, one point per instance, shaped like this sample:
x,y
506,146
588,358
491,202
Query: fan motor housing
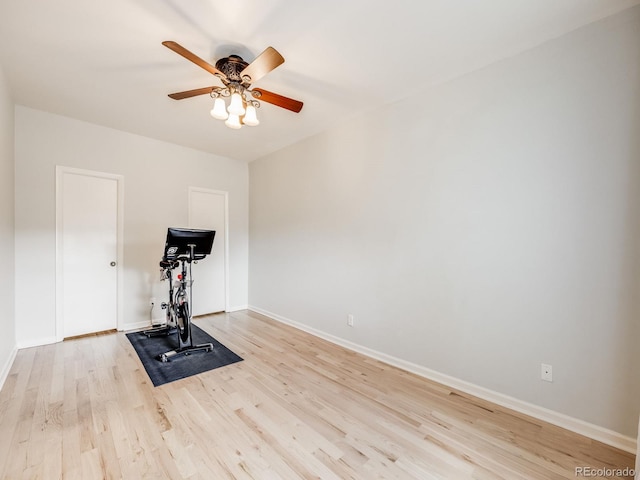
x,y
232,66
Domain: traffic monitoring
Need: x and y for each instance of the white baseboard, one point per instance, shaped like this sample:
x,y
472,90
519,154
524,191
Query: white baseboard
x,y
615,439
237,308
6,368
38,342
160,321
142,325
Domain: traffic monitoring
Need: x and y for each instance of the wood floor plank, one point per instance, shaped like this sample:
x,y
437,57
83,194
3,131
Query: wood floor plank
x,y
297,407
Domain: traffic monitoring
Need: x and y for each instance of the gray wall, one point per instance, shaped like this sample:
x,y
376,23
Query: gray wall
x,y
478,228
156,180
7,281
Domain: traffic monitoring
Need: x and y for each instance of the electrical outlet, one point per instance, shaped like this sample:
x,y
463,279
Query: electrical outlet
x,y
350,320
546,372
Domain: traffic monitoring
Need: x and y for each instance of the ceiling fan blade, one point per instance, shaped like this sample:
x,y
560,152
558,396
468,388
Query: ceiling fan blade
x,y
263,64
191,93
180,50
279,100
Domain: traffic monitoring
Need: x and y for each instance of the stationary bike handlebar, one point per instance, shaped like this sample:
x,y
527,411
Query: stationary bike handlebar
x,y
173,262
169,264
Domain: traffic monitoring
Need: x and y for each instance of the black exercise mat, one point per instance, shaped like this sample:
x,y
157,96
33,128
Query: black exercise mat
x,y
180,366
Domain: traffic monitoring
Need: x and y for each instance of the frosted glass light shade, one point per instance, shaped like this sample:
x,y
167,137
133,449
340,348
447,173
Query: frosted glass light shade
x,y
236,107
219,109
233,121
250,117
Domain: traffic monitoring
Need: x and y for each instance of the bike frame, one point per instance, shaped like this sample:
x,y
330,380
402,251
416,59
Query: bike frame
x,y
179,311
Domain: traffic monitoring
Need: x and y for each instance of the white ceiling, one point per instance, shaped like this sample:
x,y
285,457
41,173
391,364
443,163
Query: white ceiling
x,y
102,61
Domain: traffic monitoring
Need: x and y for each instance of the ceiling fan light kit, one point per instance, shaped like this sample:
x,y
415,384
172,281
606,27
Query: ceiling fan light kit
x,y
233,122
219,109
251,116
237,76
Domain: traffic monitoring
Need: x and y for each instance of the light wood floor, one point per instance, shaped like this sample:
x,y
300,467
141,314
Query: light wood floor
x,y
296,407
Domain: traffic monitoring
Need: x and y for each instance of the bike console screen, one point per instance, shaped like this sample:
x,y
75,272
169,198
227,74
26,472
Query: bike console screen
x,y
181,240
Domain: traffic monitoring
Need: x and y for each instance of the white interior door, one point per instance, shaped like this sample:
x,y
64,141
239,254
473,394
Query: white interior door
x,y
87,250
208,210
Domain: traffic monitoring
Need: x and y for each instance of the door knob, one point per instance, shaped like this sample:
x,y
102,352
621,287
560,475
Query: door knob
x,y
113,264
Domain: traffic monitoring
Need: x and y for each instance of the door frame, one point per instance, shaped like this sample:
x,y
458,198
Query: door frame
x,y
61,171
226,234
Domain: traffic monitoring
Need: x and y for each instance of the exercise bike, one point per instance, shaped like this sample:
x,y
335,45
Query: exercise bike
x,y
183,248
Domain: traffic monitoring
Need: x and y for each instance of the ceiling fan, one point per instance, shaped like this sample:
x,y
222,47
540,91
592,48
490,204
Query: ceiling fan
x,y
237,77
